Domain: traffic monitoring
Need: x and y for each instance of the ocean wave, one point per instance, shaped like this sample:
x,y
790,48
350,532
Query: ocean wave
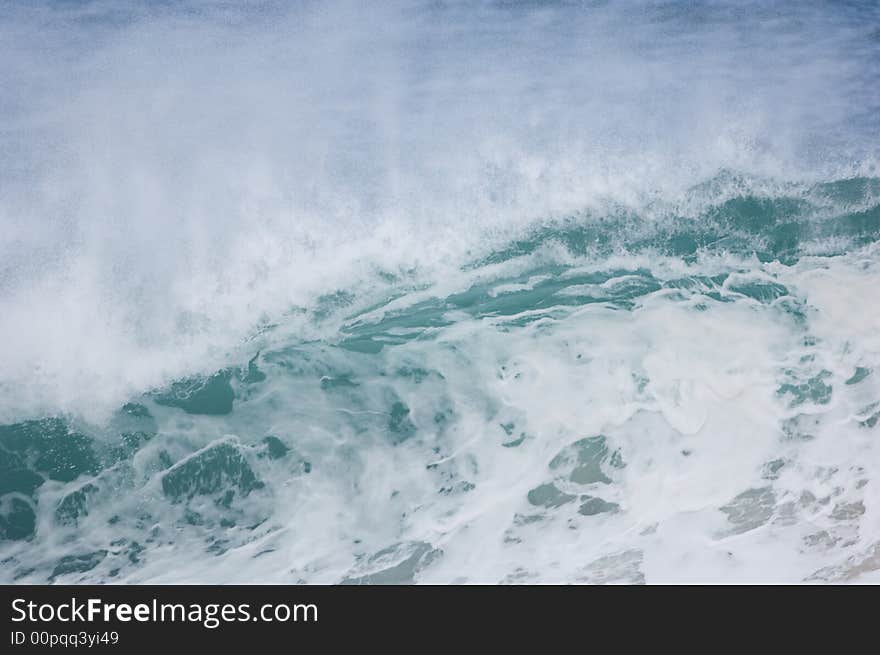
x,y
493,292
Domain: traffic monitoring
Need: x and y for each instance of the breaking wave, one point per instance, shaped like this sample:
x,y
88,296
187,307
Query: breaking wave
x,y
439,292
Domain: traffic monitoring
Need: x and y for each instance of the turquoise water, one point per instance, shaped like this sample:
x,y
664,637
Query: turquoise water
x,y
342,336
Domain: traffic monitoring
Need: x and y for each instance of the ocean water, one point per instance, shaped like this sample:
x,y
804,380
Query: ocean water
x,y
432,292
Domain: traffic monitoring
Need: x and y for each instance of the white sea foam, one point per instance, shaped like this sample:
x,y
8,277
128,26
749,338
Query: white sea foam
x,y
374,203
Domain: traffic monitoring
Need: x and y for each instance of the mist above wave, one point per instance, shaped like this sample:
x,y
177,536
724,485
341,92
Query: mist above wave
x,y
173,174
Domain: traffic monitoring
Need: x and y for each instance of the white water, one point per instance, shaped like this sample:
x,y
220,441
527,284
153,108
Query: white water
x,y
180,186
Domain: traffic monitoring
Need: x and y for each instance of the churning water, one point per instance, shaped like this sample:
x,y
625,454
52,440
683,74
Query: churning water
x,y
439,292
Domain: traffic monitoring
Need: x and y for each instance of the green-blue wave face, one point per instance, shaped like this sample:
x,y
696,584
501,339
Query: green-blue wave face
x,y
599,385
